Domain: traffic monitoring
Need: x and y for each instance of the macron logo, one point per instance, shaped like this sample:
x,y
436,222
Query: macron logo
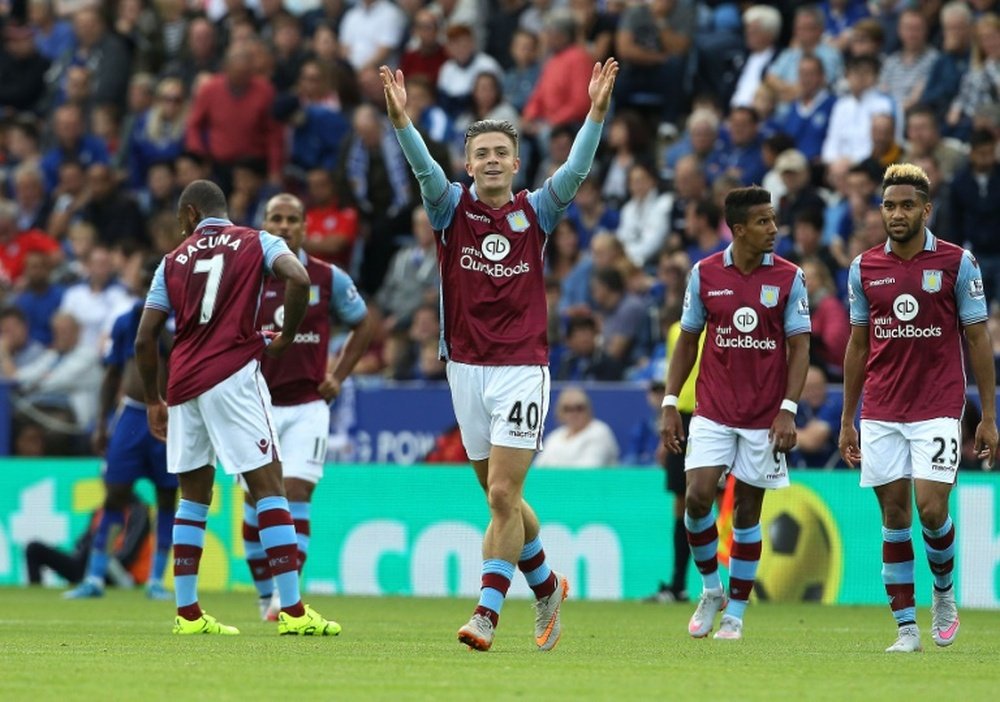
x,y
719,293
478,217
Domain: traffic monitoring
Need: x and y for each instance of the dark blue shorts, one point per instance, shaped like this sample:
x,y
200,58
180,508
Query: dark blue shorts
x,y
134,453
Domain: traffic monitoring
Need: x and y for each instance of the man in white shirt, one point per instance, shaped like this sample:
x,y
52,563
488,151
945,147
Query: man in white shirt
x,y
580,441
761,29
849,135
370,33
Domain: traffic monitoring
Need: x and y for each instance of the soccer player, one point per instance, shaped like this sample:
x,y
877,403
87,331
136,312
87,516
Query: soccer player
x,y
753,367
490,250
217,401
302,383
911,299
131,453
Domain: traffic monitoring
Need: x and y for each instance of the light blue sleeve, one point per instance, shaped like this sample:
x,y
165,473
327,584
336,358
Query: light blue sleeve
x,y
273,248
856,295
552,199
157,297
970,297
345,301
440,197
797,319
693,316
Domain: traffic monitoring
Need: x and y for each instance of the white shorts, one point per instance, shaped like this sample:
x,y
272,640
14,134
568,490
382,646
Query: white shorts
x,y
927,450
746,453
499,406
303,431
231,422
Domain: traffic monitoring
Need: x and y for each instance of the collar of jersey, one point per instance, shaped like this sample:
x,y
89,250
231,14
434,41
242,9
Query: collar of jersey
x,y
727,257
472,191
213,220
930,242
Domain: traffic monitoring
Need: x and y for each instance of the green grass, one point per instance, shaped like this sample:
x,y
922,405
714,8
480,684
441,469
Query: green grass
x,y
120,648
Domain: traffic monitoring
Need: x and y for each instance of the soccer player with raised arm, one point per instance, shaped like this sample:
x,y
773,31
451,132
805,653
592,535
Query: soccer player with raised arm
x,y
911,299
491,245
131,453
754,308
302,384
217,403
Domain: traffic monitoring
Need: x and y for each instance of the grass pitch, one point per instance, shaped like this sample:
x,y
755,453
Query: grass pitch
x,y
120,648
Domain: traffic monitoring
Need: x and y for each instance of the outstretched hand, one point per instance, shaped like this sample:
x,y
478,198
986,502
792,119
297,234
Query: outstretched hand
x,y
395,96
602,84
986,441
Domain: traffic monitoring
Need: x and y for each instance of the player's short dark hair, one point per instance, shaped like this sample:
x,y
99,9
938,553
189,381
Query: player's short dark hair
x,y
740,200
205,196
907,174
487,126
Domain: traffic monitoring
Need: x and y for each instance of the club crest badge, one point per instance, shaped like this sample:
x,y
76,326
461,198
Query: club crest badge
x,y
932,281
769,295
518,221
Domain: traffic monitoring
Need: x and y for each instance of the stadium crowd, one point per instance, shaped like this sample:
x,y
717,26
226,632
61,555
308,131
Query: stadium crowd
x,y
110,108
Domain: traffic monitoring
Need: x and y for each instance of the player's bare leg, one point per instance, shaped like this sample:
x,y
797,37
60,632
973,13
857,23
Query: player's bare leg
x,y
939,543
703,536
897,562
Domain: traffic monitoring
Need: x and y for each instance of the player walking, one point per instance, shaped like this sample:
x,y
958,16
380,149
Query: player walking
x,y
911,298
753,367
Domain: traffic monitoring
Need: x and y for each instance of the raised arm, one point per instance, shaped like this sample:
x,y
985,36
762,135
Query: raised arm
x,y
440,196
555,195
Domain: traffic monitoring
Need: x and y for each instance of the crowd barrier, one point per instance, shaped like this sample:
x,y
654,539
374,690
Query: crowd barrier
x,y
416,530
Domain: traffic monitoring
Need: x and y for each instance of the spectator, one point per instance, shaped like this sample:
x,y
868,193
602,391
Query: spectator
x,y
66,375
701,139
555,154
940,219
703,219
172,26
20,145
329,13
761,32
521,77
978,86
431,120
645,446
158,134
189,167
376,180
952,63
690,185
589,213
975,208
583,358
112,210
621,314
799,193
561,96
885,150
458,73
923,139
96,301
199,55
563,251
606,251
505,20
840,16
103,53
807,118
53,35
652,43
22,71
250,192
326,49
231,119
289,52
817,423
741,156
831,327
371,32
628,143
861,189
595,28
71,143
17,348
331,229
160,192
807,242
317,119
581,441
807,38
424,54
33,204
15,245
849,134
645,217
413,277
138,25
488,102
40,298
905,72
